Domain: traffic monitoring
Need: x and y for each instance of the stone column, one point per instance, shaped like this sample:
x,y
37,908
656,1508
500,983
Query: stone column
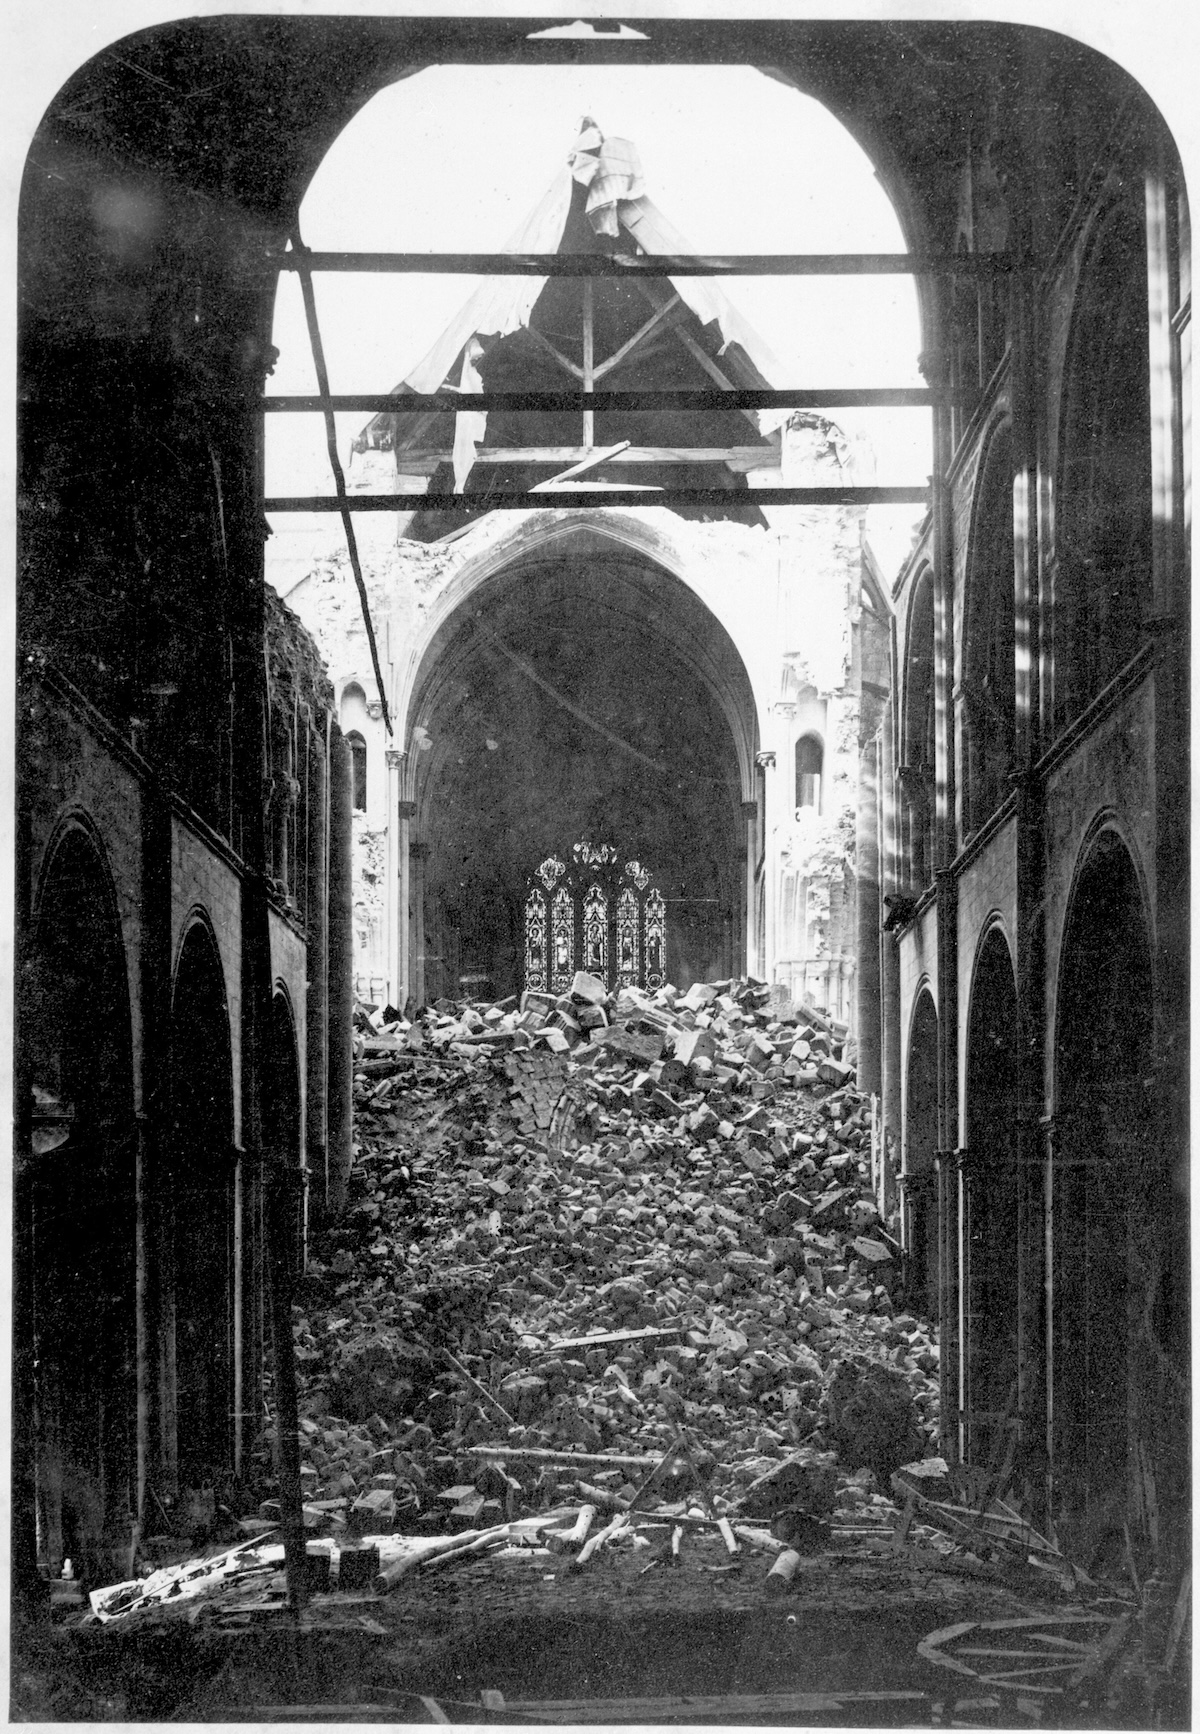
x,y
316,917
750,814
393,914
766,963
868,1001
891,870
341,975
418,853
405,813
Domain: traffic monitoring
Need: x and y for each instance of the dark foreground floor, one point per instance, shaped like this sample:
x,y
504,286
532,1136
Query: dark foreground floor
x,y
616,1643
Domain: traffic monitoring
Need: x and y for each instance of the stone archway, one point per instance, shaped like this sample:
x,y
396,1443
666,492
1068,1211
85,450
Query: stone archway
x,y
990,1193
1119,1337
198,1205
582,693
920,1150
76,1210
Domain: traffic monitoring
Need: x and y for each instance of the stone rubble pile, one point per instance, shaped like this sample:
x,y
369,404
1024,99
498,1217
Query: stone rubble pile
x,y
687,1175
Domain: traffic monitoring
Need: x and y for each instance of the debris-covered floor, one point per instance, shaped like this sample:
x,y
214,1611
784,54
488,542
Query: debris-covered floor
x,y
612,1410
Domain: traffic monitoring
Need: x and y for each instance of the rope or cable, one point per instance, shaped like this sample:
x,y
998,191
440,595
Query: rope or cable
x,y
339,480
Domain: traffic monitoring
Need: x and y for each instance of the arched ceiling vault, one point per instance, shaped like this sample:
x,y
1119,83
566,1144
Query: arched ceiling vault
x,y
632,592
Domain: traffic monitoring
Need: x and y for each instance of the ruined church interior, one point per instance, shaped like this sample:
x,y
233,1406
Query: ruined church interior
x,y
515,728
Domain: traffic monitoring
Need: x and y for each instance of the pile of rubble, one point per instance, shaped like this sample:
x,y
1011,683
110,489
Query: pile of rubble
x,y
598,1227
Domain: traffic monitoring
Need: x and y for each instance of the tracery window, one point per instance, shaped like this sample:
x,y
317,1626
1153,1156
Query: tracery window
x,y
605,917
918,777
989,650
1103,531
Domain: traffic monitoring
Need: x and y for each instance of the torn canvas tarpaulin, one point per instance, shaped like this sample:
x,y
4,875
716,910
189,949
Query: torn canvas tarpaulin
x,y
617,208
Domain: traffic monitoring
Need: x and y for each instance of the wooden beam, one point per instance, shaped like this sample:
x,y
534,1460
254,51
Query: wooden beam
x,y
591,459
529,502
659,264
545,344
589,358
737,458
639,336
696,350
447,401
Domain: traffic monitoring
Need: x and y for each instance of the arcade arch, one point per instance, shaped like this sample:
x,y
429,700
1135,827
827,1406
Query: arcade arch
x,y
989,1202
1118,1259
198,1205
920,1152
75,1209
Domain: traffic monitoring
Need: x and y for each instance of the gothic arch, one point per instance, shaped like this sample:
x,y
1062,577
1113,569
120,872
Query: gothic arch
x,y
1102,529
715,657
75,1210
918,734
989,635
1119,1252
920,1151
197,1201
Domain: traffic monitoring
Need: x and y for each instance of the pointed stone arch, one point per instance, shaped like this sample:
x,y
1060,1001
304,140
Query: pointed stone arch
x,y
644,703
75,1209
989,1228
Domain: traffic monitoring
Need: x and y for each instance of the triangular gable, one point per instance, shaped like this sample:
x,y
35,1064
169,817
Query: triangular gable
x,y
616,201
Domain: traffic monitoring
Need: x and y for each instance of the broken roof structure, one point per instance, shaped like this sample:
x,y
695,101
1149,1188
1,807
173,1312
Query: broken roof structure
x,y
538,333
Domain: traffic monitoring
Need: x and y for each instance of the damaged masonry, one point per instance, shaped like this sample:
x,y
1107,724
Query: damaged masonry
x,y
601,1070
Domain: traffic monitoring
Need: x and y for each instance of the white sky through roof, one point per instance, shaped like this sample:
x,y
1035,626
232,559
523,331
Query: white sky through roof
x,y
453,159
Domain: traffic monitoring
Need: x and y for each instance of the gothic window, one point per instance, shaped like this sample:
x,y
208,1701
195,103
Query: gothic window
x,y
629,948
809,757
1103,531
535,941
989,648
656,940
595,933
358,763
604,917
563,940
919,754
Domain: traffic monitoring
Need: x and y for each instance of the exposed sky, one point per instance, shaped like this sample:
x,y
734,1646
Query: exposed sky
x,y
454,159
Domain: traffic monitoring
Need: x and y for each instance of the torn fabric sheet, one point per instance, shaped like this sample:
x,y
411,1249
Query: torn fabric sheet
x,y
617,204
611,170
500,304
470,425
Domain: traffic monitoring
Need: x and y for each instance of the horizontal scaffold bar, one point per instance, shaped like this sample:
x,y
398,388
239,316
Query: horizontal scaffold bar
x,y
558,498
535,402
424,460
654,264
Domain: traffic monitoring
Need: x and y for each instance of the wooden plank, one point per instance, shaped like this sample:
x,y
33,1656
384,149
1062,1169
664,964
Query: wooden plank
x,y
639,336
448,401
480,1390
1178,1621
652,264
570,1459
589,358
479,505
733,1707
616,1339
545,345
589,460
1105,1650
739,459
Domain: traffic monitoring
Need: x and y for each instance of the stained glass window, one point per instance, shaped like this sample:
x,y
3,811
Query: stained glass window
x,y
593,915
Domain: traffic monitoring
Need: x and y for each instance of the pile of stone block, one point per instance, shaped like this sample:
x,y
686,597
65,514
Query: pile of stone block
x,y
583,1225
